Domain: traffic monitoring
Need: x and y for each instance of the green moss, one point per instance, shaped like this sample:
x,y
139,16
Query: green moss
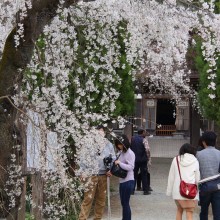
x,y
210,108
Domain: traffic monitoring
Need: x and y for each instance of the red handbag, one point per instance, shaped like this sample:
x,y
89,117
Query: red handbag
x,y
187,190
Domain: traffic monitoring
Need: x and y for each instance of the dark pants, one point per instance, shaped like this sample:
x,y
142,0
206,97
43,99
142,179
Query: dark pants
x,y
205,200
139,180
125,190
144,179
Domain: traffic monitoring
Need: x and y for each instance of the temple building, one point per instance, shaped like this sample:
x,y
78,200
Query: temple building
x,y
161,116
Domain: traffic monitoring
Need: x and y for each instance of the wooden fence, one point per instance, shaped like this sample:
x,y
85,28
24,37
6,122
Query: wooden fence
x,y
166,130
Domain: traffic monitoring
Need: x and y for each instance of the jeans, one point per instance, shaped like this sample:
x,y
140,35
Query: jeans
x,y
205,200
125,190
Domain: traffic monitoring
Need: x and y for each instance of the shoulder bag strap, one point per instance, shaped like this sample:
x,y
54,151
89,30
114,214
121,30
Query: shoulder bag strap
x,y
178,167
118,156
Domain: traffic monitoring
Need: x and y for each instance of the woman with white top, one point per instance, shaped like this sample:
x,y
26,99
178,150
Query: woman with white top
x,y
189,168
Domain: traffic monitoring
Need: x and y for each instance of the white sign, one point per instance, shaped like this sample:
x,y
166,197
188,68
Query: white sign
x,y
183,103
150,103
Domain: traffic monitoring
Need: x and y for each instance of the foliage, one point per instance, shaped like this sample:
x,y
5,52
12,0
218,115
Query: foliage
x,y
28,216
209,107
125,102
209,77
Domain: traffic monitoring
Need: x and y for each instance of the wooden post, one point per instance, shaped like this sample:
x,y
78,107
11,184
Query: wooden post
x,y
194,127
37,195
22,207
128,130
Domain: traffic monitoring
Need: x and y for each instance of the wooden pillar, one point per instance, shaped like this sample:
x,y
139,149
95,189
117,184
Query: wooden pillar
x,y
138,113
37,195
194,127
128,130
22,207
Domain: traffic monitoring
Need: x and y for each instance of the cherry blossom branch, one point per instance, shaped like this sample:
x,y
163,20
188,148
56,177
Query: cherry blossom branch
x,y
7,97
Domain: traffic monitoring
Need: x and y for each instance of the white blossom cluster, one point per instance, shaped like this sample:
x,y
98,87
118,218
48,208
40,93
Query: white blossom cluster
x,y
22,7
53,206
211,47
50,101
14,184
161,34
156,43
7,20
160,41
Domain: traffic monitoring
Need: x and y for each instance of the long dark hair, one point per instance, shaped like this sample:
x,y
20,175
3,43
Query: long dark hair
x,y
187,148
122,139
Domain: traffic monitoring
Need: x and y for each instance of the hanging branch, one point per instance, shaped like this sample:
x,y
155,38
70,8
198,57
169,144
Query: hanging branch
x,y
7,97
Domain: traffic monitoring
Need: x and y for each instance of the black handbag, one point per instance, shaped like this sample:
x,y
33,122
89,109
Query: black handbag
x,y
116,170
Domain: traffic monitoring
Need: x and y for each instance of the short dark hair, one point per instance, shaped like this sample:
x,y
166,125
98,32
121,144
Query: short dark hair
x,y
187,148
122,139
98,127
209,137
141,131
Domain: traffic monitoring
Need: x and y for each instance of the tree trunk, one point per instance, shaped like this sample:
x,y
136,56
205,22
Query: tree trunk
x,y
13,59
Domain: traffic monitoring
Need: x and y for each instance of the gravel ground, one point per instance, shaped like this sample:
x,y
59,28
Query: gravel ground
x,y
156,206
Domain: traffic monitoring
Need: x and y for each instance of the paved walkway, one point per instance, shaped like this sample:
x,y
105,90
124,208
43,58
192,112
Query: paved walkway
x,y
156,206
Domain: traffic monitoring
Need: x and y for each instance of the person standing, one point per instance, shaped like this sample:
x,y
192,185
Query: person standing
x,y
141,159
200,145
209,162
125,161
147,148
189,168
97,183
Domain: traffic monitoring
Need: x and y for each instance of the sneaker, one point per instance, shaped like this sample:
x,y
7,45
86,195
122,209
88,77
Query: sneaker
x,y
139,189
147,193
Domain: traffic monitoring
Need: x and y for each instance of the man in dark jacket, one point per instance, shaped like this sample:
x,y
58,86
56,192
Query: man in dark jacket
x,y
141,159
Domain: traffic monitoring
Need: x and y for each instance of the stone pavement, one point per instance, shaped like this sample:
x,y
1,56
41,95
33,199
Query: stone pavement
x,y
156,206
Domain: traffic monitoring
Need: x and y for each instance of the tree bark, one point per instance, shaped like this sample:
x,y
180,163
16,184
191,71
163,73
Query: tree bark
x,y
41,14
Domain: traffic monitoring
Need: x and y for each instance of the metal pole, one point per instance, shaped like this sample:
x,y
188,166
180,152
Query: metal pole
x,y
108,195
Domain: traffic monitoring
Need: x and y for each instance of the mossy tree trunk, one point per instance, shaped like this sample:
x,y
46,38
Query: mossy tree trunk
x,y
13,59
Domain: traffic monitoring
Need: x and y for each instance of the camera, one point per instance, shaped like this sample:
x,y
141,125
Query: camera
x,y
108,162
